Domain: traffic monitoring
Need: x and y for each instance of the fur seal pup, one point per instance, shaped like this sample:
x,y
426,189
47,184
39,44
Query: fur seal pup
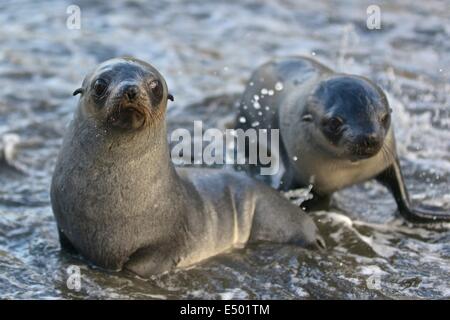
x,y
119,201
335,131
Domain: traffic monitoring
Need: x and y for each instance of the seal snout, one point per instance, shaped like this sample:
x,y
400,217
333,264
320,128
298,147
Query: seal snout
x,y
129,93
367,145
130,106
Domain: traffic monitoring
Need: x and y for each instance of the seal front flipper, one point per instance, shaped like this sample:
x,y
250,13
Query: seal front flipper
x,y
392,178
317,203
65,243
151,260
287,224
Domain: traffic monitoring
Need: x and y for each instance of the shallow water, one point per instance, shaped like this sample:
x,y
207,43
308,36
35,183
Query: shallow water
x,y
209,49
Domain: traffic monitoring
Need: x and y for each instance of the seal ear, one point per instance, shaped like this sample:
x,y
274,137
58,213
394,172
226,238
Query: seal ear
x,y
79,90
170,97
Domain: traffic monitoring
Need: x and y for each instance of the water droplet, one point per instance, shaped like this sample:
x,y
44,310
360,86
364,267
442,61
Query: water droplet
x,y
279,86
255,124
242,120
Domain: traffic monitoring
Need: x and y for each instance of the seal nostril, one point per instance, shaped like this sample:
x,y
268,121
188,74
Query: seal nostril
x,y
369,141
131,92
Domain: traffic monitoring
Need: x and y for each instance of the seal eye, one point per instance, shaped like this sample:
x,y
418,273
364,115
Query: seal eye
x,y
100,87
156,90
154,84
334,124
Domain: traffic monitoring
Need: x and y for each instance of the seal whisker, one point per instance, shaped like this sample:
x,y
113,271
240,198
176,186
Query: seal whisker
x,y
390,154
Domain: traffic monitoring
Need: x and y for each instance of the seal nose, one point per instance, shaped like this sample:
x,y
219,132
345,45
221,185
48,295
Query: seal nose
x,y
370,141
367,145
131,91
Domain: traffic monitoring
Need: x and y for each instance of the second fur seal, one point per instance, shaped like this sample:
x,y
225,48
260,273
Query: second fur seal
x,y
119,201
335,131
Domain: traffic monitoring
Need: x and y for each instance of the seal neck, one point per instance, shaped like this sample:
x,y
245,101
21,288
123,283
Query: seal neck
x,y
144,150
133,167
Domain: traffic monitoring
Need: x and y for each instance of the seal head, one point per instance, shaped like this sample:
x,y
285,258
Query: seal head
x,y
349,117
124,94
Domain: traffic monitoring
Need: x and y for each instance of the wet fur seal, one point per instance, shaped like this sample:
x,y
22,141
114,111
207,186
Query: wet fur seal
x,y
335,131
119,201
